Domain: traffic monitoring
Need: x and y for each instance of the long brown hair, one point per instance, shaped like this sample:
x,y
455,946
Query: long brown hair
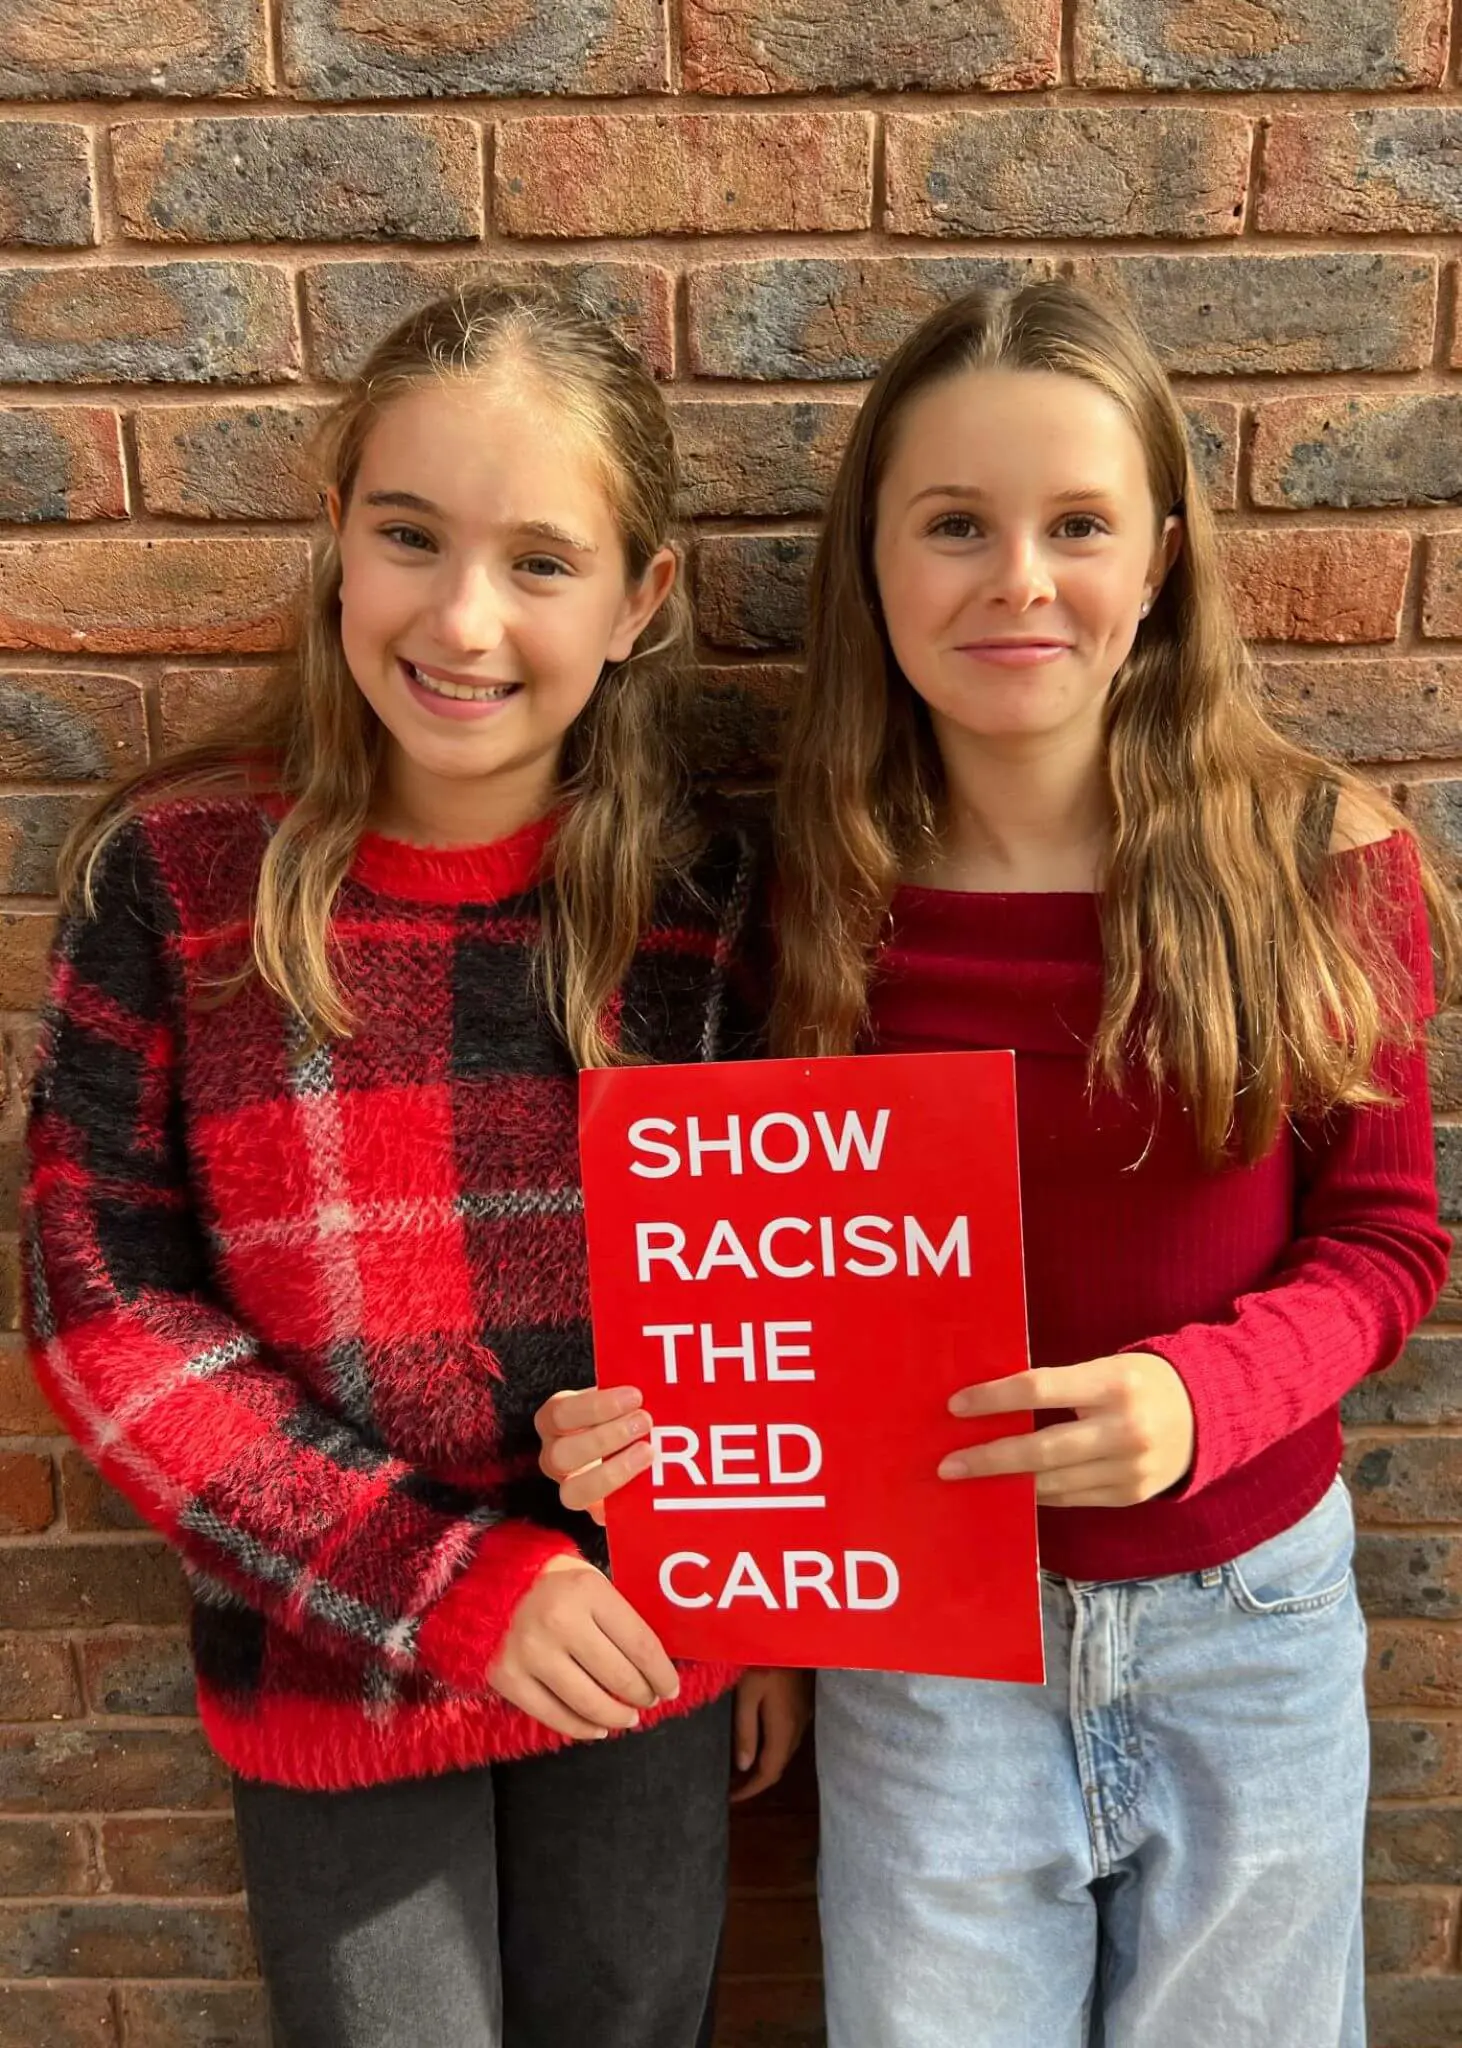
x,y
312,738
1239,967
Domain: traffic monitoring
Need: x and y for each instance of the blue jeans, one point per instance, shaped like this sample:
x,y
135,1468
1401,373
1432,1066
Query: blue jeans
x,y
1159,1847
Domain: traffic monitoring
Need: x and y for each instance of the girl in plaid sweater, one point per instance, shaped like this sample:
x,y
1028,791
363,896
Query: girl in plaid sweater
x,y
304,1242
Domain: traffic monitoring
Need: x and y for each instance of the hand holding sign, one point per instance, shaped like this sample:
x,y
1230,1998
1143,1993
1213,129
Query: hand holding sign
x,y
594,1442
793,1265
1132,1437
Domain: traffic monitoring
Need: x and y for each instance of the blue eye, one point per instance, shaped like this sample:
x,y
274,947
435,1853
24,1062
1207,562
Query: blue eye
x,y
409,537
544,566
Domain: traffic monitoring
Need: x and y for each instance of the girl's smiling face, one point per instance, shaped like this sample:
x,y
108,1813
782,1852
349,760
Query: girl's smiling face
x,y
1016,543
483,587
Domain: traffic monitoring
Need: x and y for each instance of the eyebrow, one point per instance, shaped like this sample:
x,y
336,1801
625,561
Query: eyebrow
x,y
540,529
1084,495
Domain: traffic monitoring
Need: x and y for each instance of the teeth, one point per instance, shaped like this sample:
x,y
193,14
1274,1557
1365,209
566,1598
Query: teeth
x,y
488,695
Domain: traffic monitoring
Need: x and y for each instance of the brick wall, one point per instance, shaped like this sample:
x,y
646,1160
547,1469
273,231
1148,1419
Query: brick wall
x,y
208,207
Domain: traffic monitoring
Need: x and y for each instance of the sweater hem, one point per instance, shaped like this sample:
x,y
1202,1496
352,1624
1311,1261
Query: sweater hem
x,y
334,1746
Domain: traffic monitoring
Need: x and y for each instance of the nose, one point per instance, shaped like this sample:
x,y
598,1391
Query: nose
x,y
468,609
1022,576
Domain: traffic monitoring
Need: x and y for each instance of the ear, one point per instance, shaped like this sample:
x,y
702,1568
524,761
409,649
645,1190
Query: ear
x,y
641,602
334,510
1169,547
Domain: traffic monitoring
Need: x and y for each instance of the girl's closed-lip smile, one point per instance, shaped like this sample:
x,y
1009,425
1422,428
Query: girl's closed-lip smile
x,y
1015,653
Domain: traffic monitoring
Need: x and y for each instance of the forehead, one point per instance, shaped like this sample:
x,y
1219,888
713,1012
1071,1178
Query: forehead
x,y
492,446
980,426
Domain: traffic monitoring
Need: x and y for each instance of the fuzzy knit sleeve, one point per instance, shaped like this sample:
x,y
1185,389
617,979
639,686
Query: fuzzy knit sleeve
x,y
334,1539
1369,1253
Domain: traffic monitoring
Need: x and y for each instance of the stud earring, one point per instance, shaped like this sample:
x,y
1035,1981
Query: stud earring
x,y
1146,608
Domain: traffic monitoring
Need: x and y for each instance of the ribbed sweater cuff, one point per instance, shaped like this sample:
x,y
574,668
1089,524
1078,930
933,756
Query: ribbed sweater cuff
x,y
460,1637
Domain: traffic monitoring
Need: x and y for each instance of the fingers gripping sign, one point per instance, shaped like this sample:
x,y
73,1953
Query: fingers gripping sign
x,y
1132,1437
594,1442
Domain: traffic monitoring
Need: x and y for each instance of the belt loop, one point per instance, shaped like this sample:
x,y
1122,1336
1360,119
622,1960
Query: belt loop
x,y
1211,1576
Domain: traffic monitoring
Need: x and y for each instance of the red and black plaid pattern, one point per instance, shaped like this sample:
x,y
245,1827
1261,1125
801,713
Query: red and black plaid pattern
x,y
301,1302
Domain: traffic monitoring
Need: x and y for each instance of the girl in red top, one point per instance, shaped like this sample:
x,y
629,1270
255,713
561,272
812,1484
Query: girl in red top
x,y
304,1232
1031,800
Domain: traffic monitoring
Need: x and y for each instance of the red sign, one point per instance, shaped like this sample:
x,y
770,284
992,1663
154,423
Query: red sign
x,y
798,1262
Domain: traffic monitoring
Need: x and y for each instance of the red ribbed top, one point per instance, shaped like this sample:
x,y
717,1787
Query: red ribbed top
x,y
1272,1289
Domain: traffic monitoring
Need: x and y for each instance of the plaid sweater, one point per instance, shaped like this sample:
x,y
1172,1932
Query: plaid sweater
x,y
301,1305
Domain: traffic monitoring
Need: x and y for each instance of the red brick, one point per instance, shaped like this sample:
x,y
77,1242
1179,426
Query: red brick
x,y
769,2012
1285,45
73,51
69,1769
27,1493
25,947
1376,170
1376,710
1324,585
378,49
310,178
678,174
764,46
103,1938
1445,1037
70,725
33,826
736,719
46,184
23,1409
138,1674
90,1505
1408,1930
751,588
134,323
1423,1388
1412,1665
37,1679
1417,2012
9,1284
760,458
230,461
1401,449
1415,1845
1415,1760
1213,441
1406,1479
19,1041
149,596
194,703
1063,171
352,306
1441,600
1238,314
40,1856
61,462
1410,1576
56,2016
177,1857
194,2016
90,1584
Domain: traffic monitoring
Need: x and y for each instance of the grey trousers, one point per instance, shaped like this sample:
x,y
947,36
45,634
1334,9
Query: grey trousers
x,y
567,1901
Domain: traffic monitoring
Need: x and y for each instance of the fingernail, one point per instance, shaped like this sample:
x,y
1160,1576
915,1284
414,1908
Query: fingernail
x,y
957,1404
601,1734
639,1455
743,1759
954,1468
638,1425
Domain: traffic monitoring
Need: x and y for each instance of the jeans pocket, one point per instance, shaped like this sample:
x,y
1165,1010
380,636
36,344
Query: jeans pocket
x,y
1305,1568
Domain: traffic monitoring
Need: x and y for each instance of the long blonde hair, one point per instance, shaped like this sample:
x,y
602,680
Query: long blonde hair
x,y
312,738
1238,966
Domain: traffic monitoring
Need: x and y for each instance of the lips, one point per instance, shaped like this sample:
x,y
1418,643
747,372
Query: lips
x,y
457,688
1015,653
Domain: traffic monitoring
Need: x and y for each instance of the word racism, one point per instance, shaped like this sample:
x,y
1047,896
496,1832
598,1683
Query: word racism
x,y
732,1251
